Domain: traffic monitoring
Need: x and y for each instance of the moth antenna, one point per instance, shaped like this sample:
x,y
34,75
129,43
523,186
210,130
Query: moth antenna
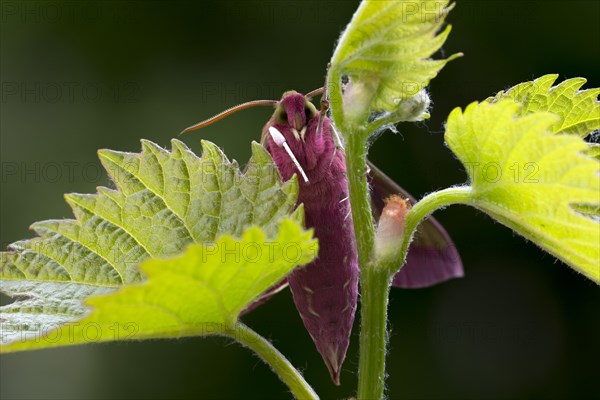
x,y
323,111
228,112
315,92
279,140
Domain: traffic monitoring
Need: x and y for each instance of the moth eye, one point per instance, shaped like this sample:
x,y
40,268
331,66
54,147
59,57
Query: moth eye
x,y
309,110
280,116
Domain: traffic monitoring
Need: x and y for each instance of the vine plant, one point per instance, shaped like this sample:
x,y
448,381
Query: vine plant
x,y
184,245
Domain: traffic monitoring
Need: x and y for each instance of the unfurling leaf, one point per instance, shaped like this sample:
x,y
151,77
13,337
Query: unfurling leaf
x,y
163,202
531,180
578,110
385,52
199,292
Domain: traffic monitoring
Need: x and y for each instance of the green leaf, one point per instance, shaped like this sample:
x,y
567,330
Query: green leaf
x,y
199,292
385,51
163,202
578,110
529,179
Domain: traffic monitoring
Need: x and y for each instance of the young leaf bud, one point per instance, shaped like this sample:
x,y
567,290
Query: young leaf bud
x,y
358,96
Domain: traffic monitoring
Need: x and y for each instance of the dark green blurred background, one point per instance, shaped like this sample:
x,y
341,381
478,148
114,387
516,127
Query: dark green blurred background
x,y
78,76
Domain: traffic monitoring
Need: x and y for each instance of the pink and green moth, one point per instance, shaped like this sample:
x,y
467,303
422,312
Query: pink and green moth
x,y
303,141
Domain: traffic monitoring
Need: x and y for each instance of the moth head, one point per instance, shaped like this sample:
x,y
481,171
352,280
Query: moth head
x,y
286,128
294,110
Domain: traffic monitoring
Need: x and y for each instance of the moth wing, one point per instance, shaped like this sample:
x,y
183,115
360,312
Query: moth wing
x,y
432,257
265,296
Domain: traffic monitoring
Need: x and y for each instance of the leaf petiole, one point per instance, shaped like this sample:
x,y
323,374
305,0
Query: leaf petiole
x,y
426,206
272,357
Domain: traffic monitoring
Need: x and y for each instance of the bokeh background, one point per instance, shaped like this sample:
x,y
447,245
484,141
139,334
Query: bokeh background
x,y
78,76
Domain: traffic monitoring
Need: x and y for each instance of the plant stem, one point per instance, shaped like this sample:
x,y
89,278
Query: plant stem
x,y
277,361
356,161
334,86
374,283
373,334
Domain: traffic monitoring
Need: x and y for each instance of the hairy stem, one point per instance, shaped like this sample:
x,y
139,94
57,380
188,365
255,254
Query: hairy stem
x,y
375,279
374,283
356,160
373,334
277,361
